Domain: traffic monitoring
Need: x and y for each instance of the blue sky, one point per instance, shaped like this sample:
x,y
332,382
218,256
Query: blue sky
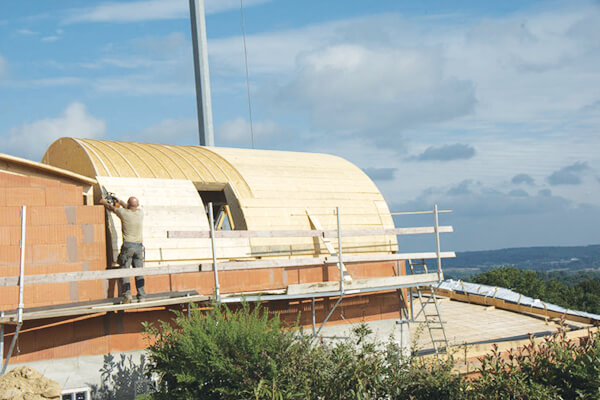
x,y
491,109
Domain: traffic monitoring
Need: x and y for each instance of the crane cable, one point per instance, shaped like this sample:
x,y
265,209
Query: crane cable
x,y
247,75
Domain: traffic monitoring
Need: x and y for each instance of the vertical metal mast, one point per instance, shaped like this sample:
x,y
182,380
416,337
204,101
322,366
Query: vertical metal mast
x,y
199,44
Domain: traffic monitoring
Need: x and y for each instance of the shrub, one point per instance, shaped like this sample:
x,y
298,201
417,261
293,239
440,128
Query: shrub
x,y
244,354
219,354
557,368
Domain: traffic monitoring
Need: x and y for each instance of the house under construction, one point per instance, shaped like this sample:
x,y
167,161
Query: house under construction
x,y
301,232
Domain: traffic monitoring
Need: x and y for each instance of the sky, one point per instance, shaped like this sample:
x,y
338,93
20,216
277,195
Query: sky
x,y
488,109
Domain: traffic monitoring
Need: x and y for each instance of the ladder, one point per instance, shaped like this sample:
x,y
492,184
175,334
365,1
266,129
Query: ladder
x,y
433,318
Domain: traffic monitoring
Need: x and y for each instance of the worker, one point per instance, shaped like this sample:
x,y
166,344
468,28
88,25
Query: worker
x,y
132,250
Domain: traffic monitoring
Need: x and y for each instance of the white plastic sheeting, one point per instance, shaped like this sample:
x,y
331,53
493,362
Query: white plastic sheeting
x,y
509,296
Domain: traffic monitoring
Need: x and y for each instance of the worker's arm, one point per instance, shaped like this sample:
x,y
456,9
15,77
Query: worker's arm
x,y
108,206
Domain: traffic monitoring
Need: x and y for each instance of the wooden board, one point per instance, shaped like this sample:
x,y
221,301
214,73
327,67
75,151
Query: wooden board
x,y
107,306
308,233
370,283
207,266
327,242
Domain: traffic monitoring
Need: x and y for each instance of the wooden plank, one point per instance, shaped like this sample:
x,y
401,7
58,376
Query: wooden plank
x,y
306,233
317,225
115,305
205,266
229,217
370,283
399,256
96,275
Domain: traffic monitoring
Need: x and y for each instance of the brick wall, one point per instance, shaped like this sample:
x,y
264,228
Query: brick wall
x,y
62,235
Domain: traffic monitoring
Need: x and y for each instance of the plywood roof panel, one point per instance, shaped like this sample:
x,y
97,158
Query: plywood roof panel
x,y
271,189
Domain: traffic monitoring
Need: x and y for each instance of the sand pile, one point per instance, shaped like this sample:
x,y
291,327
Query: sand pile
x,y
24,383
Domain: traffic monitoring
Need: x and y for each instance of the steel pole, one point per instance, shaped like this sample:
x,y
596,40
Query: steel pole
x,y
314,328
339,229
341,263
211,221
201,72
21,285
437,242
2,339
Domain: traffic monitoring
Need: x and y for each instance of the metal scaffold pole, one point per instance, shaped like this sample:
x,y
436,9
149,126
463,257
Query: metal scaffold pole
x,y
21,285
214,251
341,265
436,228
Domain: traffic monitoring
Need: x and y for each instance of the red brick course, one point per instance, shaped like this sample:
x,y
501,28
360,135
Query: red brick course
x,y
61,235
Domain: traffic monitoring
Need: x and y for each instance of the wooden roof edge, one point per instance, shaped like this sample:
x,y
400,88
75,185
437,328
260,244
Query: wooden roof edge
x,y
518,308
45,168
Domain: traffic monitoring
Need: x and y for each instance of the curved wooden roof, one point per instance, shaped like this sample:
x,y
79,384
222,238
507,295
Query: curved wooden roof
x,y
274,189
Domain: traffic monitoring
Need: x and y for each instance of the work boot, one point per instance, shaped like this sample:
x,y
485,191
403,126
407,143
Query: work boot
x,y
141,295
127,299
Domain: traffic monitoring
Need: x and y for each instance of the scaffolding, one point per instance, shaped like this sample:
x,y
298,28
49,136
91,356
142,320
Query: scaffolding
x,y
309,291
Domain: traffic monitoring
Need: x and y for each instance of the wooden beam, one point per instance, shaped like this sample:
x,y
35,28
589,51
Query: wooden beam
x,y
317,225
229,217
305,233
502,304
207,266
300,262
323,287
96,275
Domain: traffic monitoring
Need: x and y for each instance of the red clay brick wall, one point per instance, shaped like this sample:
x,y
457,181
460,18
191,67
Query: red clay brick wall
x,y
62,235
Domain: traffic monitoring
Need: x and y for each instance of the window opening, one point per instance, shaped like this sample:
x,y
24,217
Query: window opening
x,y
215,193
76,394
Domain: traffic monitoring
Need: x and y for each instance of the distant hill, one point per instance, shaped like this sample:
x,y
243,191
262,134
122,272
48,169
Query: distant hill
x,y
543,259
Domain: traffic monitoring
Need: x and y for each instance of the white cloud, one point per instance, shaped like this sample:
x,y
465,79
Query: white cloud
x,y
142,84
26,32
150,10
535,66
50,38
31,140
169,131
152,64
49,82
377,76
360,89
236,132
